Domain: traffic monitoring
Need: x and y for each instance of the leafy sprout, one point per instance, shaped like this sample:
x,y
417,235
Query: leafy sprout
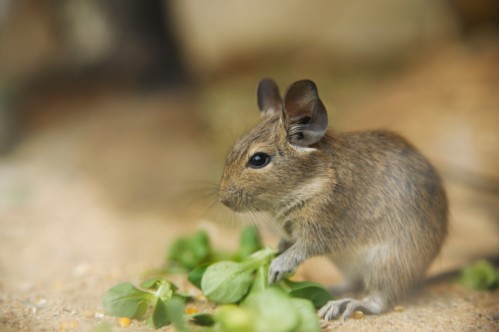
x,y
286,306
228,282
480,275
125,300
186,253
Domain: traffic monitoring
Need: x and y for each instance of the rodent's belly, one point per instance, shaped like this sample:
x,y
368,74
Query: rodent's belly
x,y
346,260
354,262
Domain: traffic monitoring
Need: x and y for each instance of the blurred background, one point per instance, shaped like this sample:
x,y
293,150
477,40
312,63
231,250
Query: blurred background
x,y
115,117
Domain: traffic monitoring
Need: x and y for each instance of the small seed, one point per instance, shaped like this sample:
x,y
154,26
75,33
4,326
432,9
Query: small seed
x,y
398,308
191,310
88,314
124,321
357,314
68,326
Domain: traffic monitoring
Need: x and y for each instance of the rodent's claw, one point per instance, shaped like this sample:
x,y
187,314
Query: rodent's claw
x,y
275,276
278,269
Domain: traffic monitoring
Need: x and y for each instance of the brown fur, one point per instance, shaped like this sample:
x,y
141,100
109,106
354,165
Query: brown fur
x,y
367,200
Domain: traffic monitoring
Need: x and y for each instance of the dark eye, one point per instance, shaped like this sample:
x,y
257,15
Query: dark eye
x,y
259,160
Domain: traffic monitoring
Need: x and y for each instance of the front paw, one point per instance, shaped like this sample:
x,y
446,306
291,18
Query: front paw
x,y
279,268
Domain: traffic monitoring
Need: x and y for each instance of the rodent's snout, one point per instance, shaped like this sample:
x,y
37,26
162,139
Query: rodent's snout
x,y
224,200
224,197
228,196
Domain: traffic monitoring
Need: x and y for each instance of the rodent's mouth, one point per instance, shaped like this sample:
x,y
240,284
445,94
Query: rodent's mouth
x,y
242,206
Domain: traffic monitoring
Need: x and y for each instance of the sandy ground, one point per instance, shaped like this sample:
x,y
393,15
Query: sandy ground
x,y
95,197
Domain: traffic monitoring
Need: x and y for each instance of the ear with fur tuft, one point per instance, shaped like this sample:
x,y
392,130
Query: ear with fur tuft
x,y
305,114
269,98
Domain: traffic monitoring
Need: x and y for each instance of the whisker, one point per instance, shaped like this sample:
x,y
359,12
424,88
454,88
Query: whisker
x,y
232,220
213,204
260,220
247,218
199,188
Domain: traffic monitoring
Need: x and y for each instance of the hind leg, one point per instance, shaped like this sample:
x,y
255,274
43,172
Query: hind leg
x,y
347,288
373,304
383,277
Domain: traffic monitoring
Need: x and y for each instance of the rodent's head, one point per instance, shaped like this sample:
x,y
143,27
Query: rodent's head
x,y
281,157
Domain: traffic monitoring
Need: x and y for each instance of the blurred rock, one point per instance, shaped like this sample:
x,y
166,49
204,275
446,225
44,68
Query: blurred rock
x,y
76,40
447,104
8,121
27,25
214,33
475,16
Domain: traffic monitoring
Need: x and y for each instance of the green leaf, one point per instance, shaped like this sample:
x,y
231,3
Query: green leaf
x,y
175,309
160,316
232,318
196,275
189,252
480,275
273,311
201,245
308,316
311,291
203,319
124,300
260,282
249,242
182,297
226,282
152,284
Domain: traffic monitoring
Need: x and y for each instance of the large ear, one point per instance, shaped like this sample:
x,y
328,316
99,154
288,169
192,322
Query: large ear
x,y
269,99
305,114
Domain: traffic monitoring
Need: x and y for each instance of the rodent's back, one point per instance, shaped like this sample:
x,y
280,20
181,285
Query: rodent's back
x,y
387,190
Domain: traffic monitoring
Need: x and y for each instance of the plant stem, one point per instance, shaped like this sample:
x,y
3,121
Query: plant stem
x,y
162,290
258,259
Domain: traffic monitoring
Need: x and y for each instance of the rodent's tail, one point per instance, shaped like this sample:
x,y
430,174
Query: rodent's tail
x,y
481,182
453,274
